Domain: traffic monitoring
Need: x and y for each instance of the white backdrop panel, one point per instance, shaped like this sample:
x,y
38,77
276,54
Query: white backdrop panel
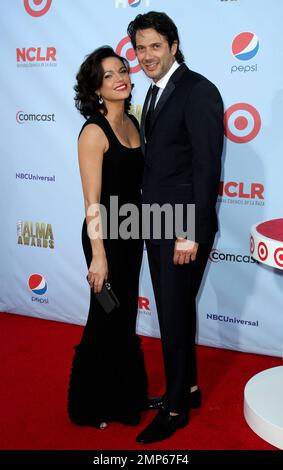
x,y
42,45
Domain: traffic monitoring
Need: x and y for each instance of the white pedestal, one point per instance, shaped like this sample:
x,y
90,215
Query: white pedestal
x,y
263,405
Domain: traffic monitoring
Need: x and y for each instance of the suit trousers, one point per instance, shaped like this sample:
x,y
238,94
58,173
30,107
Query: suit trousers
x,y
175,290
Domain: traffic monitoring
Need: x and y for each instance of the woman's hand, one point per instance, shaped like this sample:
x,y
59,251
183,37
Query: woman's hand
x,y
98,271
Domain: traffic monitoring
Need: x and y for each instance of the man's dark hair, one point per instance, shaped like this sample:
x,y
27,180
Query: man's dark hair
x,y
162,24
89,79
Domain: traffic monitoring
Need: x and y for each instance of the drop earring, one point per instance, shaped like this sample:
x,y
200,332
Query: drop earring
x,y
100,100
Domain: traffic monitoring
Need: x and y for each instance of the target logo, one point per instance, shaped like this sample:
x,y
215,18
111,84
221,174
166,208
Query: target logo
x,y
252,245
278,257
125,49
242,123
37,8
262,251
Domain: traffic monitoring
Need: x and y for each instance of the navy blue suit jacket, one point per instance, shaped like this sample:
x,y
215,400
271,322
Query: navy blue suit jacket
x,y
183,152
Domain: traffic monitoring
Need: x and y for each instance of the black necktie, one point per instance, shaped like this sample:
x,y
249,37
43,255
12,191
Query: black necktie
x,y
150,111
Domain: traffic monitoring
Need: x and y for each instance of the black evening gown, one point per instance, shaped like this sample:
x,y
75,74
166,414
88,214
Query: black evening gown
x,y
108,380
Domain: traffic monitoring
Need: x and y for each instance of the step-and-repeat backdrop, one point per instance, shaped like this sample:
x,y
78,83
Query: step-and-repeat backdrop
x,y
238,45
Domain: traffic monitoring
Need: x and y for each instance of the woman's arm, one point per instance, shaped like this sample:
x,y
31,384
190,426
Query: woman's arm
x,y
91,148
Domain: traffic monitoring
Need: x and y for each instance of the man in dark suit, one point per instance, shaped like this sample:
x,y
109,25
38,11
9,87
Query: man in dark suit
x,y
182,139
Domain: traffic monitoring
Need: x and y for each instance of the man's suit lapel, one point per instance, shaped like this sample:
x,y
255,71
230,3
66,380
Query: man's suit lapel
x,y
168,90
144,109
170,87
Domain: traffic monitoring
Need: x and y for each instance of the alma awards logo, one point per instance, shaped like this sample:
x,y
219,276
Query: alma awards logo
x,y
39,235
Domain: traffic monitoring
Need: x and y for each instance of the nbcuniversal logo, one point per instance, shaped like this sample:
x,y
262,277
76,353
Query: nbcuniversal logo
x,y
36,56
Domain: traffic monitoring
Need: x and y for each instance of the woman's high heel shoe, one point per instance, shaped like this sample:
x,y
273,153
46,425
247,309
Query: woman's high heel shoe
x,y
103,425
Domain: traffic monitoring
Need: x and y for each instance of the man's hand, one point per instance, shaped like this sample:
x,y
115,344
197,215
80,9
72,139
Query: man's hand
x,y
184,251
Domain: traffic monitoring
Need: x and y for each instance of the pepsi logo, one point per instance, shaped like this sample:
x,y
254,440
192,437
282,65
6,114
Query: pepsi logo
x,y
125,49
242,123
134,3
131,3
37,8
245,46
37,284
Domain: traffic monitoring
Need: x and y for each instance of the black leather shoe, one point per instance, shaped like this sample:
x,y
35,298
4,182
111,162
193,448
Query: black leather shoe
x,y
195,399
163,426
156,403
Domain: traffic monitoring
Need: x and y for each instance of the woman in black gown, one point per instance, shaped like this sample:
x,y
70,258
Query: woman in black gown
x,y
108,380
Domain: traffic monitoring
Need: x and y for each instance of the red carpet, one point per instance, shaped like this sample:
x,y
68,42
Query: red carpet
x,y
35,362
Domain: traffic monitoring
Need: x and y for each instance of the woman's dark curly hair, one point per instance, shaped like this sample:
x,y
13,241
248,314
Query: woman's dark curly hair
x,y
162,24
89,79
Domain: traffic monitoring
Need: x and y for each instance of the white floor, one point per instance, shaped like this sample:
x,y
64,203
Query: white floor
x,y
263,405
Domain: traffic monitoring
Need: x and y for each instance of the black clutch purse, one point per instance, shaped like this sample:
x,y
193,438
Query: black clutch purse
x,y
107,299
